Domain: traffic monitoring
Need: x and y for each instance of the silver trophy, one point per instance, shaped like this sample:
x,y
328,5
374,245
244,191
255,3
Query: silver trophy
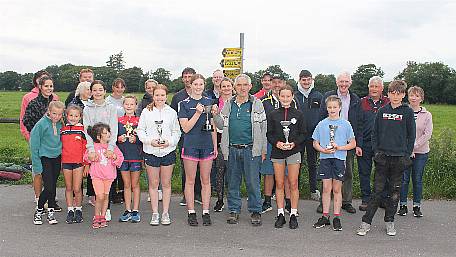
x,y
208,125
286,131
332,135
159,124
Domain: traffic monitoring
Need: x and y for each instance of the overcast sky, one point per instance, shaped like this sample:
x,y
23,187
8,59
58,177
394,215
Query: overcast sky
x,y
322,36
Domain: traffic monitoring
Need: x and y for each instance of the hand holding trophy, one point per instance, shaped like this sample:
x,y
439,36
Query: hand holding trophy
x,y
332,135
286,133
159,124
208,125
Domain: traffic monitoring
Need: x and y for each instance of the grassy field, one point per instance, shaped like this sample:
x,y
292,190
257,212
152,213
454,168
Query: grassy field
x,y
440,172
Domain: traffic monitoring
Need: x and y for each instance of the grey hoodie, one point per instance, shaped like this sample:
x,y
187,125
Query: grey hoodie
x,y
105,113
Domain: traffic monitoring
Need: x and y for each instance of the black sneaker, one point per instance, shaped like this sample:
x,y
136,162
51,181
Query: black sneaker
x,y
255,219
56,208
417,212
266,207
280,221
336,224
349,208
70,217
37,219
323,221
192,221
287,208
320,208
207,219
403,210
219,205
382,204
293,224
233,218
78,216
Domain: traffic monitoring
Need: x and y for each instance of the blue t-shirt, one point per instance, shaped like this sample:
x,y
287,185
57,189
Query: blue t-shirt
x,y
343,134
196,137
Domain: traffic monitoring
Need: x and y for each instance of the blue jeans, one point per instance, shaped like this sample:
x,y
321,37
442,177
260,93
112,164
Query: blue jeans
x,y
416,170
241,162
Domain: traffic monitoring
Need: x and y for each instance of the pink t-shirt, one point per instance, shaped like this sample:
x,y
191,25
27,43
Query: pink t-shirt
x,y
26,99
104,168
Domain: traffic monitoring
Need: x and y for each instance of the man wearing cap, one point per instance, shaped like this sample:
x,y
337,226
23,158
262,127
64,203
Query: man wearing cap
x,y
351,111
243,145
309,101
266,83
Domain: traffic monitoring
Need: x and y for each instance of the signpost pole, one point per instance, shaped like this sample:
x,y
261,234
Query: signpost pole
x,y
241,45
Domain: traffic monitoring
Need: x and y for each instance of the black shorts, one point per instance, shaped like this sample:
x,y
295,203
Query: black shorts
x,y
331,168
154,161
71,166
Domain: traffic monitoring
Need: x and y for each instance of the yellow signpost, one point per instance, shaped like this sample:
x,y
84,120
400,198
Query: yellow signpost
x,y
231,63
232,52
231,73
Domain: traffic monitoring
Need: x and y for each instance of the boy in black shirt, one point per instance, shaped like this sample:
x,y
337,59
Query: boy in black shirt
x,y
393,137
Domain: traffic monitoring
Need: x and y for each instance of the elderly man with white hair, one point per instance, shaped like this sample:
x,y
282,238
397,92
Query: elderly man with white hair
x,y
81,95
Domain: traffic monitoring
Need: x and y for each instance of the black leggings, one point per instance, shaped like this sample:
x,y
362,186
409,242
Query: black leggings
x,y
51,172
221,174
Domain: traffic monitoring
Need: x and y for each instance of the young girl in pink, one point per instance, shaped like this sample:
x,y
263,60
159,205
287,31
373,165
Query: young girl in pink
x,y
102,170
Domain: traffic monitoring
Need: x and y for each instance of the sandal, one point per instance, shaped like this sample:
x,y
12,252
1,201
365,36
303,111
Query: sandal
x,y
95,222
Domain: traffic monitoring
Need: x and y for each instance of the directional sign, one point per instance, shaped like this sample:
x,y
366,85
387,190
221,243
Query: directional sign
x,y
232,52
231,63
231,73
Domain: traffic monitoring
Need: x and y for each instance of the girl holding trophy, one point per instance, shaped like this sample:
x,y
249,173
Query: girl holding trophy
x,y
286,133
159,131
200,146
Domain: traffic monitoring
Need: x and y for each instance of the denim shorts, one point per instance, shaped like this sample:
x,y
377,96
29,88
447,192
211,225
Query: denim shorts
x,y
154,161
130,166
266,166
331,168
195,154
71,166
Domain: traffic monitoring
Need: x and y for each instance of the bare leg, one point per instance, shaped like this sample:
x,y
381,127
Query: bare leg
x,y
166,173
190,174
293,175
337,191
136,190
205,176
279,174
126,177
68,175
153,174
326,195
77,181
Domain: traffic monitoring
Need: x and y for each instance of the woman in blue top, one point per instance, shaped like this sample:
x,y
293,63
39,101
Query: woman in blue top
x,y
199,146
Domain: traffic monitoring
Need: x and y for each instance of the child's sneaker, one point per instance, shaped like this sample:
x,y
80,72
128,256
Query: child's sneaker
x,y
135,217
390,230
103,222
293,224
315,196
280,221
78,216
219,205
402,210
192,221
50,217
417,212
337,226
266,207
165,220
323,221
37,219
95,222
126,216
155,220
206,219
70,217
108,216
363,229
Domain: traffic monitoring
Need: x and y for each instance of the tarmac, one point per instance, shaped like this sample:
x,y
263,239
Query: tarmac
x,y
432,235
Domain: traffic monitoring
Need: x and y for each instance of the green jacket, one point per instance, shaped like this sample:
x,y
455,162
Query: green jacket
x,y
44,141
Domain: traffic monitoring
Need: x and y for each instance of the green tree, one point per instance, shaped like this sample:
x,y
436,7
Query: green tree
x,y
116,61
361,78
105,74
26,82
10,80
161,75
134,78
325,83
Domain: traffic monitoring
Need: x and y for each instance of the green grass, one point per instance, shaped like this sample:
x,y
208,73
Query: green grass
x,y
439,179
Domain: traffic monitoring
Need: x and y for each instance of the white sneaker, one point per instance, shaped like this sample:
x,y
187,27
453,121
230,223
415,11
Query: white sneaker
x,y
148,198
50,217
315,196
108,215
155,221
363,229
160,195
165,219
37,219
390,230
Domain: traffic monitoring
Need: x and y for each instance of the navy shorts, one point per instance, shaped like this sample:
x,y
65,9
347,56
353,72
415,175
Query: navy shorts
x,y
130,166
154,161
197,154
71,166
331,168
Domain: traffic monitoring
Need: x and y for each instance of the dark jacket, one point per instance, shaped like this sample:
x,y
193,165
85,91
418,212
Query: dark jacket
x,y
270,103
369,110
354,115
394,131
310,107
131,152
298,132
35,111
70,98
145,101
77,101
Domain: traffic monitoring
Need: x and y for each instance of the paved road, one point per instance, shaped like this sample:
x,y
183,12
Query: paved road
x,y
432,235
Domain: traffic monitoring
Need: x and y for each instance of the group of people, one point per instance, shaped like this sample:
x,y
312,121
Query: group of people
x,y
224,134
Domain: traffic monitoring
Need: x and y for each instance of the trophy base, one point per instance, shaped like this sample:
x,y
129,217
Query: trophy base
x,y
207,128
161,142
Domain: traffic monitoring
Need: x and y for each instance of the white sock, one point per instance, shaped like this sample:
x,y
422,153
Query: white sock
x,y
280,211
78,208
205,212
191,211
294,211
70,208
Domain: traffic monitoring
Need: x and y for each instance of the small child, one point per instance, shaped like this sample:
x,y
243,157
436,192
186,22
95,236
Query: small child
x,y
333,137
102,170
130,146
46,150
393,137
73,149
